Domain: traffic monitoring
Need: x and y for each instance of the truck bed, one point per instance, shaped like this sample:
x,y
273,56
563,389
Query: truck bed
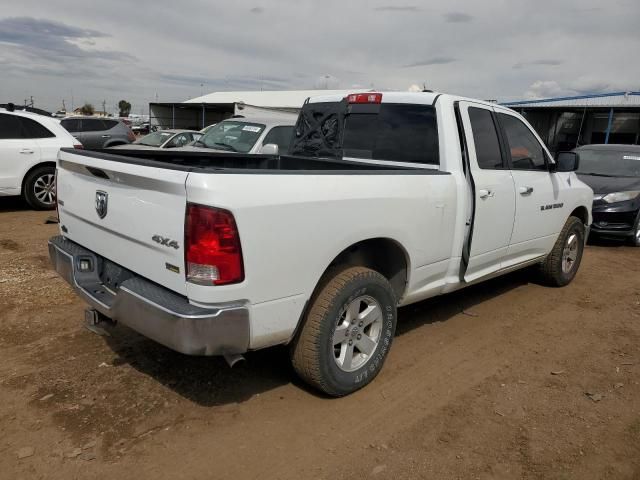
x,y
222,162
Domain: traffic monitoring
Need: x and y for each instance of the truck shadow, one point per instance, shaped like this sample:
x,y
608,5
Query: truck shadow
x,y
13,204
208,381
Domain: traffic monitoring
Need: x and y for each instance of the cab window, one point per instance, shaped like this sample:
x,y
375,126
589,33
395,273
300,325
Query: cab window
x,y
524,149
281,136
485,139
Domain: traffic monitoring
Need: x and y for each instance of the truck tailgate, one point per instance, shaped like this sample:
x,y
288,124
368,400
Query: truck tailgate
x,y
128,213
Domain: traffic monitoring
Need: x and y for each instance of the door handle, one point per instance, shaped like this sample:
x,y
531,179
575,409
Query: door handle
x,y
106,136
485,193
526,190
27,151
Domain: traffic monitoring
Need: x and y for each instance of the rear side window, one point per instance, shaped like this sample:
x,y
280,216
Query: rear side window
x,y
71,124
485,139
10,126
525,150
281,136
109,124
33,129
398,132
14,126
92,125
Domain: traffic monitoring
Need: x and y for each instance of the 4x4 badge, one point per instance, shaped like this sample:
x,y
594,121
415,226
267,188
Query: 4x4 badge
x,y
102,200
166,242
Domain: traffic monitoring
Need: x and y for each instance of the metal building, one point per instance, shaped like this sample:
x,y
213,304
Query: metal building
x,y
567,122
199,112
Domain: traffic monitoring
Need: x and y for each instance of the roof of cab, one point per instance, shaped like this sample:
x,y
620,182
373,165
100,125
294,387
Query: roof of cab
x,y
428,98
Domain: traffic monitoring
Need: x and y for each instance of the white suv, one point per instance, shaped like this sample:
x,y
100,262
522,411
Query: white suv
x,y
29,145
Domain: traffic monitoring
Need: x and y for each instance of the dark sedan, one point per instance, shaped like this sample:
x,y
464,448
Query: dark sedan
x,y
613,172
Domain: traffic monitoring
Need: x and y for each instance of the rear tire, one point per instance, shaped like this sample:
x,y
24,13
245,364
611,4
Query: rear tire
x,y
561,265
40,188
347,331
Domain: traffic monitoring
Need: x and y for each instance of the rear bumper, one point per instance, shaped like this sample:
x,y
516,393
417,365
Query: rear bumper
x,y
152,310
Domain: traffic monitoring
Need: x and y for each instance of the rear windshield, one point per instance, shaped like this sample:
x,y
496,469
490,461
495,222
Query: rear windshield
x,y
388,131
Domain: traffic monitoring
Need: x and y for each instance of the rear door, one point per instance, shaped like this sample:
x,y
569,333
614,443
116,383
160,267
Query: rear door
x,y
139,223
494,192
94,134
74,127
540,206
18,152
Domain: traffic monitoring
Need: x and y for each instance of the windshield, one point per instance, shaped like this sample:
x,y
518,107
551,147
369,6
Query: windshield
x,y
609,163
154,139
232,136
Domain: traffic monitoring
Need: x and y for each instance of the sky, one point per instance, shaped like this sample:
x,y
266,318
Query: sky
x,y
142,51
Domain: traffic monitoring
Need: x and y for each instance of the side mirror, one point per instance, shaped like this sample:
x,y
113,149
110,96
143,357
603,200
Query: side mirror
x,y
269,149
567,162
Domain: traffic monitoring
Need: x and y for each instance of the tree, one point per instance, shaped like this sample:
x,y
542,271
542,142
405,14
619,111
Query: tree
x,y
125,108
87,109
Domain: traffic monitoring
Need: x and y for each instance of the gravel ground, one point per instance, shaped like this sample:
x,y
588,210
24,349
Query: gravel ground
x,y
507,379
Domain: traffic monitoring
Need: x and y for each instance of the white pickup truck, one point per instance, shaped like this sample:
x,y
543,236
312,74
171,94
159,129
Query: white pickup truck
x,y
386,199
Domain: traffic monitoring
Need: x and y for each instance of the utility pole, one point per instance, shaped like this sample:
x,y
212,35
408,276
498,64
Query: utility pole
x,y
64,108
104,107
31,98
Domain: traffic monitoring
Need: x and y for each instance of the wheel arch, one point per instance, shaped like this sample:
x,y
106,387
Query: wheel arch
x,y
382,254
28,172
114,143
582,213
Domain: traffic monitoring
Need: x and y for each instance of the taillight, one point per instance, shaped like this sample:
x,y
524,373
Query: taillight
x,y
78,146
212,246
364,98
131,135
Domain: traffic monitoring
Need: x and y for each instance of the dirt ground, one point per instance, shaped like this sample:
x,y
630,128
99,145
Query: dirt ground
x,y
506,379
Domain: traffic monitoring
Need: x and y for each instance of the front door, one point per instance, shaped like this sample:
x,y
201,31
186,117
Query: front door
x,y
494,192
540,206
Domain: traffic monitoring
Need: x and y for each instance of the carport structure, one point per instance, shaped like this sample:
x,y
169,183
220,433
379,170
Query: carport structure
x,y
199,112
567,122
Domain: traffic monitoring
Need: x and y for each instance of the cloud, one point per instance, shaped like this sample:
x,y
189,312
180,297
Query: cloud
x,y
231,82
543,62
257,10
431,61
580,86
43,38
457,17
397,8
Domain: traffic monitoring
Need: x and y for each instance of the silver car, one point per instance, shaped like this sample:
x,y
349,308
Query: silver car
x,y
248,135
163,139
96,132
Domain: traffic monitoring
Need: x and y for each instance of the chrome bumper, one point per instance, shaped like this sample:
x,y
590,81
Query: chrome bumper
x,y
152,310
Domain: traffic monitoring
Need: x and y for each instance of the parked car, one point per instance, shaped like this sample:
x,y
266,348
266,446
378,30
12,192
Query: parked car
x,y
29,145
207,128
248,135
386,199
96,133
613,172
164,139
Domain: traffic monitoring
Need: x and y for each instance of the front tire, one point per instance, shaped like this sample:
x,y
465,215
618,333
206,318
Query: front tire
x,y
347,331
40,188
635,239
561,265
